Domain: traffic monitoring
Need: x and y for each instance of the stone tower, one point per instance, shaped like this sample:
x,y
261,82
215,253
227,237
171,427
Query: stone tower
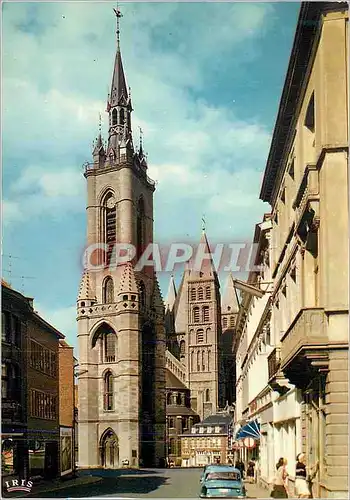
x,y
120,311
198,330
229,313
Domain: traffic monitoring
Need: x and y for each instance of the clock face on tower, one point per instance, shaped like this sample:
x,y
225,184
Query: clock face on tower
x,y
111,202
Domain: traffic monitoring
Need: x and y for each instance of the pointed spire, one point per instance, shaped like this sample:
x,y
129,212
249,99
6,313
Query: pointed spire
x,y
157,299
119,90
207,265
171,296
128,281
98,149
85,292
229,300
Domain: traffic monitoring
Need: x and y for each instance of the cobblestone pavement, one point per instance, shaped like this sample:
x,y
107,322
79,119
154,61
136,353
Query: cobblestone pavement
x,y
143,483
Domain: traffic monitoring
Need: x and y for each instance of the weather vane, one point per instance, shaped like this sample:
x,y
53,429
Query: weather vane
x,y
118,16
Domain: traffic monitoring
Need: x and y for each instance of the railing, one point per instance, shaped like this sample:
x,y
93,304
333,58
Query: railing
x,y
274,362
89,167
175,366
308,329
110,359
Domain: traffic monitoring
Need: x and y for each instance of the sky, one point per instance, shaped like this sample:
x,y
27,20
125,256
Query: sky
x,y
206,81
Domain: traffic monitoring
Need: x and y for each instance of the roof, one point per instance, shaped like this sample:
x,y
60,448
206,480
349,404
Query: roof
x,y
4,283
173,382
47,325
307,28
218,419
119,88
229,300
171,296
180,411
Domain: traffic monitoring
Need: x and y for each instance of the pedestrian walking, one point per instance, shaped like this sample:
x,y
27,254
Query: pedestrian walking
x,y
303,480
240,466
251,471
280,487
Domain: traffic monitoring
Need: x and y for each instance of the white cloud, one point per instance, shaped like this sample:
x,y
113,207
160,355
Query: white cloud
x,y
63,319
54,90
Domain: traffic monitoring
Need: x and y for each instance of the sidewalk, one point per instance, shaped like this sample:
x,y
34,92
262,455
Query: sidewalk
x,y
256,491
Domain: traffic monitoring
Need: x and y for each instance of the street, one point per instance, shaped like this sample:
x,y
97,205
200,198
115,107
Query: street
x,y
151,483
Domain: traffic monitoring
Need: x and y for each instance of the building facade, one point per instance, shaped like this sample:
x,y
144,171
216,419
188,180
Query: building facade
x,y
180,417
120,312
207,442
66,408
30,390
14,313
43,397
306,185
200,336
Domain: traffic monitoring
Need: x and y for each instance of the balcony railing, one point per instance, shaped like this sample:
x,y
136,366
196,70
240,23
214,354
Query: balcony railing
x,y
307,330
90,167
274,362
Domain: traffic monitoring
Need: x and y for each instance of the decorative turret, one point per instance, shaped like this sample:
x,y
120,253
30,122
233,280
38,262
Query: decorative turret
x,y
99,154
86,298
128,295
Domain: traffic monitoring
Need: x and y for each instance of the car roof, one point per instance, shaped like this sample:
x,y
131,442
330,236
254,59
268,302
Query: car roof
x,y
225,468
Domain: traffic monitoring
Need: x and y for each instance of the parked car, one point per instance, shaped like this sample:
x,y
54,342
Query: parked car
x,y
224,482
212,468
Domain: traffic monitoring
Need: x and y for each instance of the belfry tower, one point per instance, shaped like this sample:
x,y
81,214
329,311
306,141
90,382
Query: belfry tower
x,y
120,312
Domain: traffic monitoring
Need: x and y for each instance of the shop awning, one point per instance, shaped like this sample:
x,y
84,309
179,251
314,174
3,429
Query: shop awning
x,y
251,429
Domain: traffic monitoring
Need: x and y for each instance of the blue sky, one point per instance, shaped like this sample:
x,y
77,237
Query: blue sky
x,y
206,80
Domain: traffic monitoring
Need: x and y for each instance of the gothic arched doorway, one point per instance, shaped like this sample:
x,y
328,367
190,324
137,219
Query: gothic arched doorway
x,y
109,450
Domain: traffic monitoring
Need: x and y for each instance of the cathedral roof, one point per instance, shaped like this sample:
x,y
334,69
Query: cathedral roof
x,y
128,281
229,301
171,296
85,291
180,410
172,382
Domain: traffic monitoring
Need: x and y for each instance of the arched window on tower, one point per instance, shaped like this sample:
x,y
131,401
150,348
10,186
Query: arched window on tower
x,y
192,361
207,293
200,336
108,392
224,322
121,116
114,117
208,361
182,349
140,228
142,289
207,395
196,315
205,314
110,344
193,294
108,291
203,360
198,361
108,224
200,293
